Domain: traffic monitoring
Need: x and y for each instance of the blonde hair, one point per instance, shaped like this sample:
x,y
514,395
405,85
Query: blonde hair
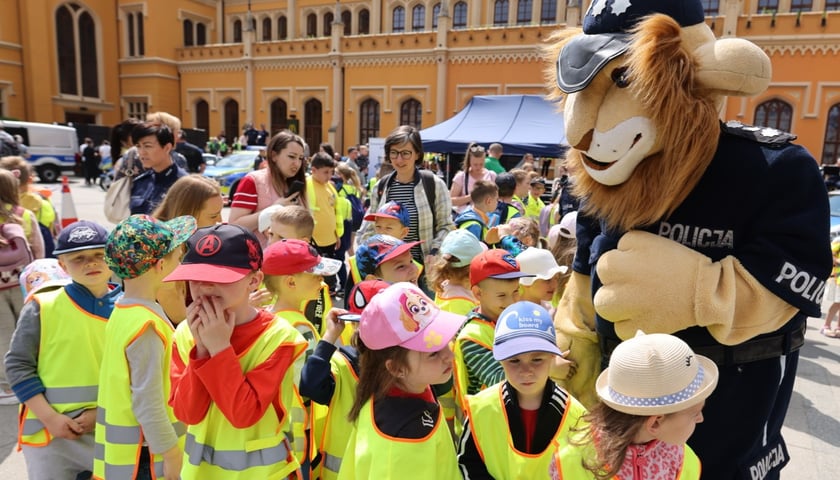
x,y
350,176
163,118
442,269
21,165
186,197
299,217
9,195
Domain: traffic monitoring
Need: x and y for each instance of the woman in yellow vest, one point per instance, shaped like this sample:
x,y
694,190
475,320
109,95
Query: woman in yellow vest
x,y
403,342
652,397
329,379
513,428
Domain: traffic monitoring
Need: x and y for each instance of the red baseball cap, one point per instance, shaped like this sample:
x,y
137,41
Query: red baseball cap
x,y
290,256
496,263
362,293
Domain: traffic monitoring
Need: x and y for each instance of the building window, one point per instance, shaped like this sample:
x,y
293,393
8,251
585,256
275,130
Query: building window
x,y
134,28
711,7
202,115
282,28
398,17
188,33
411,113
831,144
364,22
237,31
200,34
369,121
329,18
279,116
459,15
524,10
774,114
347,20
313,121
500,12
418,18
76,49
832,5
768,6
231,121
548,11
266,29
801,5
436,13
138,110
312,25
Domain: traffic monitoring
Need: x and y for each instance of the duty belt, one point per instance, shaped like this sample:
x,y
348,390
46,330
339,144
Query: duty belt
x,y
754,350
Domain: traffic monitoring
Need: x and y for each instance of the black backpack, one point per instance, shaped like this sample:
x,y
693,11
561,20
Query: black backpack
x,y
428,180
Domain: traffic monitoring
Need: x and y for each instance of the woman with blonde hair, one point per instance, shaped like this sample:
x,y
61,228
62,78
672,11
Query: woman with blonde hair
x,y
201,198
472,170
11,296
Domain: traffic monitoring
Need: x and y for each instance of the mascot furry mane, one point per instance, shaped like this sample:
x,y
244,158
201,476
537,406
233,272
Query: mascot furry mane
x,y
667,70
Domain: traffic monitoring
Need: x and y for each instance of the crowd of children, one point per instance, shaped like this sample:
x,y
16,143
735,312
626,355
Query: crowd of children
x,y
219,354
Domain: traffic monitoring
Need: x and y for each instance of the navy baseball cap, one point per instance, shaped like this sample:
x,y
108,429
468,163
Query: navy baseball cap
x,y
223,253
606,35
377,250
81,235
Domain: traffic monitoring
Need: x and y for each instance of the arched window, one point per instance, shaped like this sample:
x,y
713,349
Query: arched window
x,y
364,21
774,114
312,122
312,25
279,115
411,113
398,24
188,33
200,34
831,144
548,11
266,29
459,15
369,120
76,49
418,18
237,31
435,13
329,18
282,28
523,12
202,115
711,7
347,20
231,121
500,12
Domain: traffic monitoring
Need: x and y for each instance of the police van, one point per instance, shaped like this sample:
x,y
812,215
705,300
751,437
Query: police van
x,y
52,148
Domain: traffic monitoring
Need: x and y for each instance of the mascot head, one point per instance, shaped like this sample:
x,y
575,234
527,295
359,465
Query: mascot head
x,y
643,85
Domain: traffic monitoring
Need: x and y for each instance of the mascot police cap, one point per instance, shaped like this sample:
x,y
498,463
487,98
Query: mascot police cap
x,y
606,29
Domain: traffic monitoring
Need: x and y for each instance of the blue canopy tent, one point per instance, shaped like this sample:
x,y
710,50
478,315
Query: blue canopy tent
x,y
521,123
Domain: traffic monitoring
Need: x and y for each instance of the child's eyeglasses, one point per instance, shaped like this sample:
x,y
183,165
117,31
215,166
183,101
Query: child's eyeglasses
x,y
405,154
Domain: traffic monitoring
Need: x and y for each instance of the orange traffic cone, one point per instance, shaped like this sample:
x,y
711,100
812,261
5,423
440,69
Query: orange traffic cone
x,y
68,208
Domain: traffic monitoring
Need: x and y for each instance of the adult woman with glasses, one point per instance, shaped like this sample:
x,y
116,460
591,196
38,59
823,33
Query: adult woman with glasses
x,y
429,221
472,171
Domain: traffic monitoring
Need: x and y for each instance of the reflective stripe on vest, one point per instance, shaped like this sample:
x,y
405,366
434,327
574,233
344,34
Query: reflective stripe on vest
x,y
119,437
477,331
215,449
69,374
487,413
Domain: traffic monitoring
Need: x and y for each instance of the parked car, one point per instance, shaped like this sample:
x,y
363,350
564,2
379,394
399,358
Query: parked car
x,y
228,171
210,159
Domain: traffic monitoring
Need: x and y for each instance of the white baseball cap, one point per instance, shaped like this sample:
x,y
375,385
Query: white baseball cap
x,y
540,263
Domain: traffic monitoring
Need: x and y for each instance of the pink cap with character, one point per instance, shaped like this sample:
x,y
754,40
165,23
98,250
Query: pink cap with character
x,y
402,315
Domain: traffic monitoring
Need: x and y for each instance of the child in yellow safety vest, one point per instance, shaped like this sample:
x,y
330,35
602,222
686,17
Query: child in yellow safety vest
x,y
651,399
329,379
55,379
232,366
449,275
534,413
137,434
294,272
403,342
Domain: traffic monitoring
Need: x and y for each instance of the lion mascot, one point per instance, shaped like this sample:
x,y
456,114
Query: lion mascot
x,y
715,232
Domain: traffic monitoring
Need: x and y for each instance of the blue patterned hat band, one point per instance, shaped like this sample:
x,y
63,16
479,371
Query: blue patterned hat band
x,y
681,396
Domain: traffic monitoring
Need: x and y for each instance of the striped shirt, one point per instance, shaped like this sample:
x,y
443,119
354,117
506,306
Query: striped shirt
x,y
246,194
482,368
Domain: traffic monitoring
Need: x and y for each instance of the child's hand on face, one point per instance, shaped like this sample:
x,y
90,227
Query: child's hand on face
x,y
259,298
194,322
216,326
335,327
563,368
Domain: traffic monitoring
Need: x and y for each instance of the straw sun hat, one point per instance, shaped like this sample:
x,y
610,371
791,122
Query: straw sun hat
x,y
655,374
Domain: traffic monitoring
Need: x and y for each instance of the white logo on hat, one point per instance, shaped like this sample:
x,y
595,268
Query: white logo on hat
x,y
617,8
597,7
620,6
81,234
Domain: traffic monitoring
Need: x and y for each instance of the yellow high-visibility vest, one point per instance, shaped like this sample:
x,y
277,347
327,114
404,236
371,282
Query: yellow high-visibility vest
x,y
119,437
69,356
481,332
215,449
330,428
